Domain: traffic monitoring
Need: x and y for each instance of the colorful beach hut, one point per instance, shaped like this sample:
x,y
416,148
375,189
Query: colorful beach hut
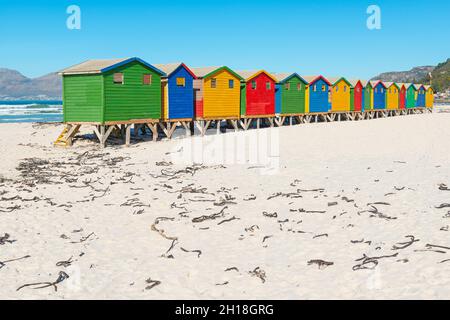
x,y
402,95
356,95
111,91
217,93
340,94
258,96
290,94
429,96
177,91
411,96
392,95
368,95
420,89
379,95
317,94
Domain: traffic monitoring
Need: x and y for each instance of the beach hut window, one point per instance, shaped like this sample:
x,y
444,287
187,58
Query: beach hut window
x,y
287,86
299,86
345,88
213,83
268,85
382,91
357,89
336,89
147,79
181,82
231,83
118,78
323,88
390,91
314,88
253,84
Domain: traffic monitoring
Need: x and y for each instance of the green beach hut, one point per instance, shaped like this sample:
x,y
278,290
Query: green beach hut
x,y
107,92
411,95
290,94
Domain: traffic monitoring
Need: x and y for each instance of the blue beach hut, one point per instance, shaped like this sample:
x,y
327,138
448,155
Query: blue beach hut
x,y
177,91
420,89
318,93
379,95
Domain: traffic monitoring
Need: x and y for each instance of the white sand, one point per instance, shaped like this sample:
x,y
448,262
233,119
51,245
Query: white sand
x,y
399,161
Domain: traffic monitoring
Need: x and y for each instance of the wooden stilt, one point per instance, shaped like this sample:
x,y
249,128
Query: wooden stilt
x,y
127,128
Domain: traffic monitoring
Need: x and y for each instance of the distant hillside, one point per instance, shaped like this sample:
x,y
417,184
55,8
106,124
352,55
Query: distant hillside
x,y
14,85
413,76
440,77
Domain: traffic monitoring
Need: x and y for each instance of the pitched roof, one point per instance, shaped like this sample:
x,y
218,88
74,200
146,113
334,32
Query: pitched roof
x,y
169,68
389,84
418,86
104,65
354,82
283,77
334,80
206,72
311,79
247,75
374,83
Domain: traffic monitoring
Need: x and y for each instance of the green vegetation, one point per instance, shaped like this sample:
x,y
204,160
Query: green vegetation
x,y
440,77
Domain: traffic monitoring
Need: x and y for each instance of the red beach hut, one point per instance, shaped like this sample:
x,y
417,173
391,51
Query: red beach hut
x,y
402,96
259,93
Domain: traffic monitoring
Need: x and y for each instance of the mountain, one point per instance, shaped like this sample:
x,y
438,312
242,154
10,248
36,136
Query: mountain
x,y
440,77
412,76
15,86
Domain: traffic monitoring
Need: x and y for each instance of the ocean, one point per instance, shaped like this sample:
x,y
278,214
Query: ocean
x,y
30,111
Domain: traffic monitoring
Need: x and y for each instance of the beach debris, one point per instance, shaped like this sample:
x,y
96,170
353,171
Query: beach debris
x,y
334,203
224,201
252,228
4,262
259,273
210,217
228,220
443,205
443,187
64,263
41,285
265,238
222,284
250,197
232,269
347,199
406,244
135,203
322,264
310,211
163,163
270,215
370,262
161,231
321,235
285,195
198,252
5,239
83,239
152,283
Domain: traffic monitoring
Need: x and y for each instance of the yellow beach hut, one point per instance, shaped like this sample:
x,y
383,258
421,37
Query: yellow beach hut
x,y
429,96
392,95
340,94
217,93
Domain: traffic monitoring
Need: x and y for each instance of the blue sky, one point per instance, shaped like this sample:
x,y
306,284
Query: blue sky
x,y
308,37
